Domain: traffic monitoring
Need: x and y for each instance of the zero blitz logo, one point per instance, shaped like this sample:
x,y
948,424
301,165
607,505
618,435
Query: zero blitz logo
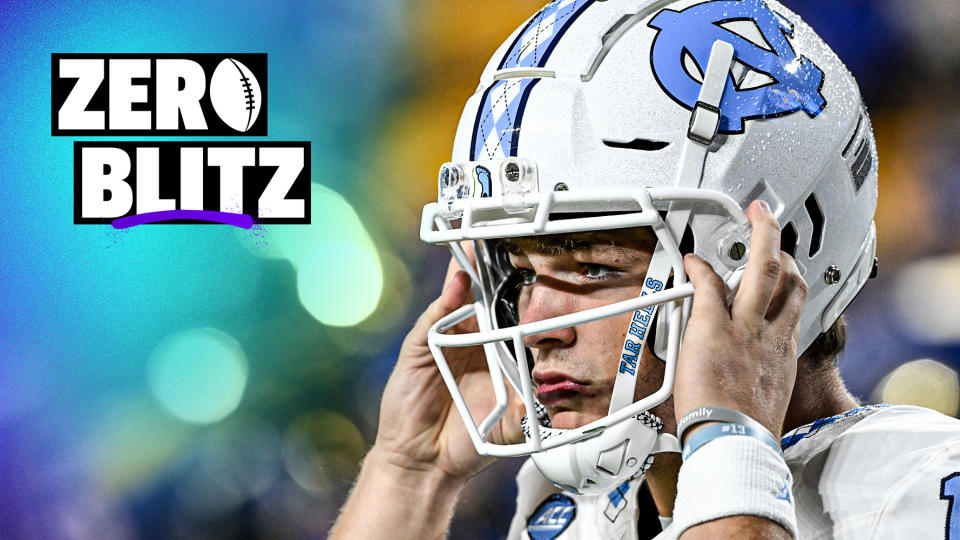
x,y
135,182
160,94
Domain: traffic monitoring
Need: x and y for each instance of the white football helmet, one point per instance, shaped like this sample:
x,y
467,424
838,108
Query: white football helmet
x,y
671,114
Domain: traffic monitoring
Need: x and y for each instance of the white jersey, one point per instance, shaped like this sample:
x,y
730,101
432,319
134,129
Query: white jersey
x,y
545,511
878,472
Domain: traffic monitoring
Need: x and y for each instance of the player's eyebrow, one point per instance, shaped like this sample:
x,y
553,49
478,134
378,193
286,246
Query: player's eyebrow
x,y
617,242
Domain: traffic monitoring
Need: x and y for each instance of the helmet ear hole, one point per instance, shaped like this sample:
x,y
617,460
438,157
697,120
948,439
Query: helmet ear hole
x,y
505,310
507,292
505,299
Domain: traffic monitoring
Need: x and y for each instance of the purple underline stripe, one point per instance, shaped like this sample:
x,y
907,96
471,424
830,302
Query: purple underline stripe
x,y
243,221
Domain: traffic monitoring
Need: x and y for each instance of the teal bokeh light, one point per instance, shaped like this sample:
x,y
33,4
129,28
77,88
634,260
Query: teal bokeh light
x,y
198,375
340,282
93,316
332,218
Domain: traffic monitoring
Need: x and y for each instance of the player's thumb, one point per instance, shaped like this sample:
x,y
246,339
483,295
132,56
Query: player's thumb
x,y
709,297
453,297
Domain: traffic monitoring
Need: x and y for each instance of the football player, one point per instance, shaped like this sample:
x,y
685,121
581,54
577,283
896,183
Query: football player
x,y
658,211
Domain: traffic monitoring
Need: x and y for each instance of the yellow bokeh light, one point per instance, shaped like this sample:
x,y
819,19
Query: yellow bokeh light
x,y
322,449
925,383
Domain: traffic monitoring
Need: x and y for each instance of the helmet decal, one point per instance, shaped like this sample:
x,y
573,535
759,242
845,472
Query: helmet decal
x,y
796,80
536,41
618,501
482,176
497,128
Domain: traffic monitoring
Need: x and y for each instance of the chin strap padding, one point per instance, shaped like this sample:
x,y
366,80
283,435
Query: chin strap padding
x,y
666,443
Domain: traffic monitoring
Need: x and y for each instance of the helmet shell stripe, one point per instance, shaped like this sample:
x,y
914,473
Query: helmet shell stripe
x,y
497,127
533,45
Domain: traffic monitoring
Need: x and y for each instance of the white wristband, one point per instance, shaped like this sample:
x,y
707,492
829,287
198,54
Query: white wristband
x,y
732,476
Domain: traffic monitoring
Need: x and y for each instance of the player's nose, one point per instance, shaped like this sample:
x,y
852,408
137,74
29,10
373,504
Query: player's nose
x,y
545,303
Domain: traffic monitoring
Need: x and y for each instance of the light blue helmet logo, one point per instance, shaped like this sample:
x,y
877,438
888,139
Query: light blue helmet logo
x,y
482,175
796,81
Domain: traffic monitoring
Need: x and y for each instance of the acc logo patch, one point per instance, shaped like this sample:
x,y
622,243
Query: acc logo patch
x,y
795,81
552,517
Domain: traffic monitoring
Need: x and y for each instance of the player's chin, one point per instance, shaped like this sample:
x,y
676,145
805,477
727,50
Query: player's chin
x,y
570,419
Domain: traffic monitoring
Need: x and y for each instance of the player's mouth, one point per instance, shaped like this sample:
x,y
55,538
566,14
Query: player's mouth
x,y
555,388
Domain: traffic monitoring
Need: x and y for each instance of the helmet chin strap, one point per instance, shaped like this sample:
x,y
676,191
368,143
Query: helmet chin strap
x,y
624,450
704,123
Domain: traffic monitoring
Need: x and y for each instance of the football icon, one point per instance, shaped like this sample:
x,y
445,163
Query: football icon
x,y
235,94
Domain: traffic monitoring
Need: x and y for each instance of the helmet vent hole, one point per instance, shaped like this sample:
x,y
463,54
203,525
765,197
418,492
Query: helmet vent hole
x,y
816,218
647,145
686,243
788,240
861,165
859,154
853,138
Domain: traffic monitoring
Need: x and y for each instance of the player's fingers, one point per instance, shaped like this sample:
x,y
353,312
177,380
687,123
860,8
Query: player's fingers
x,y
709,291
453,296
763,266
788,299
511,423
454,266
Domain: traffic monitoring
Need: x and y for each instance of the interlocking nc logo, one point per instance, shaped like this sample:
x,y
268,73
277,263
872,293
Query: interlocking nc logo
x,y
792,84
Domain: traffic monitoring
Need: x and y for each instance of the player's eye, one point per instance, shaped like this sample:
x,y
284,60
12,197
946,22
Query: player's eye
x,y
597,271
528,275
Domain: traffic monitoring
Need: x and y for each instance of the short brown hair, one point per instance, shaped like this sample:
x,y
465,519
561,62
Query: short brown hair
x,y
562,243
826,349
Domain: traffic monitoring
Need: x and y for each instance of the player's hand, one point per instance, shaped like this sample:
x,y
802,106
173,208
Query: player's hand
x,y
420,427
743,355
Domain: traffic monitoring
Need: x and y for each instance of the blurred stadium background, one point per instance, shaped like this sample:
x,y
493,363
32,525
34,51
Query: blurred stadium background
x,y
207,382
